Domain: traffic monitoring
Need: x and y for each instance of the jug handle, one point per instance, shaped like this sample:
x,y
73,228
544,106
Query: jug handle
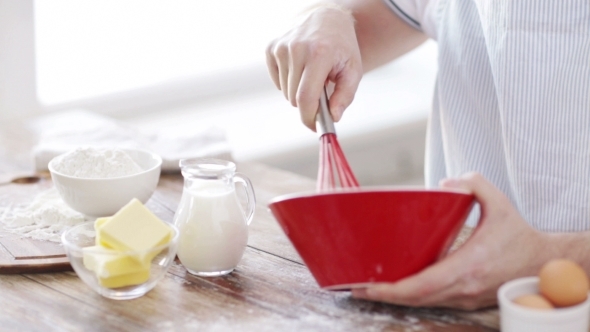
x,y
251,198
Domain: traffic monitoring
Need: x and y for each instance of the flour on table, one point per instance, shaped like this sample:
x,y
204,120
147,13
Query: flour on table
x,y
96,163
45,218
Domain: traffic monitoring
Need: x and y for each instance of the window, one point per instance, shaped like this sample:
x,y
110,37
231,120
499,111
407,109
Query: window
x,y
86,49
117,55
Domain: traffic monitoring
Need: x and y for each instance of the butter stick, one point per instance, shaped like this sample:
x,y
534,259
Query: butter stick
x,y
134,228
109,263
124,246
97,225
125,280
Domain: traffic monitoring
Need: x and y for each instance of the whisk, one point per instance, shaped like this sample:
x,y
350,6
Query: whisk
x,y
333,167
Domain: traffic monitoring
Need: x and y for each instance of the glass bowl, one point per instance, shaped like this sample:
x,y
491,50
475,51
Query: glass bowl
x,y
117,275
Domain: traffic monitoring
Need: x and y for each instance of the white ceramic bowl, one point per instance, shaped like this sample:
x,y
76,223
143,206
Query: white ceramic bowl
x,y
104,197
516,318
77,238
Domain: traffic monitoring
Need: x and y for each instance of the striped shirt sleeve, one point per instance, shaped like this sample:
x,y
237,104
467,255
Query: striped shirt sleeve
x,y
406,10
419,14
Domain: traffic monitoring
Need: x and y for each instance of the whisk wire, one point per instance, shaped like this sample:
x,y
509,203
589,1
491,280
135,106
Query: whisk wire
x,y
333,167
345,173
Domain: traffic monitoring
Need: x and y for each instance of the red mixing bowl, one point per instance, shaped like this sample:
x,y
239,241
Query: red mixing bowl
x,y
351,238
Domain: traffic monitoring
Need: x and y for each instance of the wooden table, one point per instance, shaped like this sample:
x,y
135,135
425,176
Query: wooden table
x,y
270,290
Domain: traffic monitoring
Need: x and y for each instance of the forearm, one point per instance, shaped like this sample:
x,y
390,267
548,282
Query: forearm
x,y
381,34
574,246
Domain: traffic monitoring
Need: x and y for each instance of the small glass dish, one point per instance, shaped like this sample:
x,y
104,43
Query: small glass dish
x,y
122,275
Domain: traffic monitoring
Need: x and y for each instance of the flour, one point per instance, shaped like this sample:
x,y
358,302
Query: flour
x,y
45,218
93,163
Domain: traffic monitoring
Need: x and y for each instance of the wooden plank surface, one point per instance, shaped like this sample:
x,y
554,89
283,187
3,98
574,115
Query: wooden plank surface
x,y
29,249
270,290
18,255
270,287
255,297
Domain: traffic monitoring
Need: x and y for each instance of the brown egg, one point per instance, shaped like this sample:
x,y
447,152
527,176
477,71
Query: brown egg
x,y
534,301
563,282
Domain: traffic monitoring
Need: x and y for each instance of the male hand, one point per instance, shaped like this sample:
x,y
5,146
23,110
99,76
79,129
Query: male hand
x,y
322,48
502,247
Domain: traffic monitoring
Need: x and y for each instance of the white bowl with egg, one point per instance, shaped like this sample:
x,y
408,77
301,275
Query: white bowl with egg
x,y
515,317
103,196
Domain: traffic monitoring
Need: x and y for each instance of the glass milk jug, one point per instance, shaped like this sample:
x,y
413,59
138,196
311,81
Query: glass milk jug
x,y
213,226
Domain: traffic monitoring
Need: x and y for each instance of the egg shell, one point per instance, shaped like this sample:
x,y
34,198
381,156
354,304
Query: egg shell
x,y
534,301
563,282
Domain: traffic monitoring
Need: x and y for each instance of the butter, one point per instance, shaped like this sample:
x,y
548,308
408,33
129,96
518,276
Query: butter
x,y
97,225
99,222
125,279
109,263
134,228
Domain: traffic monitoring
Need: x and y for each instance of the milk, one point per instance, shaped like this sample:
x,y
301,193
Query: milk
x,y
213,229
